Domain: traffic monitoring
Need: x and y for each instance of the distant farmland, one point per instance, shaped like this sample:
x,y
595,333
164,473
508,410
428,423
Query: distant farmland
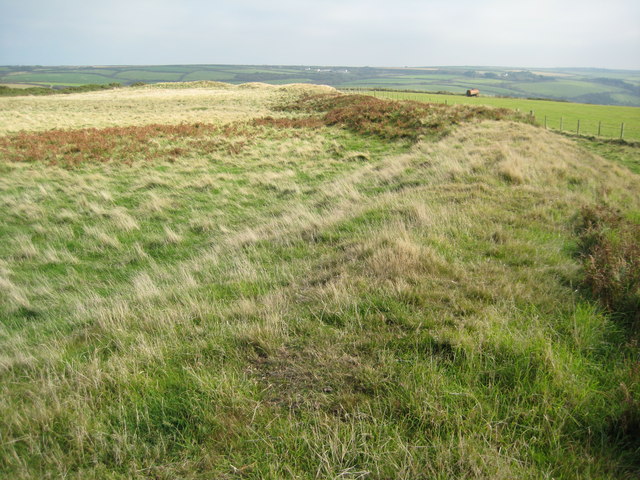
x,y
606,87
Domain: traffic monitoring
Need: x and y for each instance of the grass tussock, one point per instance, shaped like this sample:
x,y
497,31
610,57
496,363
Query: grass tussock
x,y
610,246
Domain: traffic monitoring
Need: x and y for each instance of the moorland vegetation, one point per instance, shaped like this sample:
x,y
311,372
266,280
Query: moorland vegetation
x,y
216,281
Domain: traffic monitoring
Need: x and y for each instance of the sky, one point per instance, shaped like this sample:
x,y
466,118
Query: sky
x,y
516,33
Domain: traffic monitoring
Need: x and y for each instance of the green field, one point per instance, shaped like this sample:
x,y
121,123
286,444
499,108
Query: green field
x,y
206,75
208,281
56,78
606,87
143,76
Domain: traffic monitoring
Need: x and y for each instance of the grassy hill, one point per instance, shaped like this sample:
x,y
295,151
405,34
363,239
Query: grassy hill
x,y
596,86
216,281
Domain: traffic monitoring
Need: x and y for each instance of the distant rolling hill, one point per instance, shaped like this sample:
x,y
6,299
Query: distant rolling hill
x,y
595,86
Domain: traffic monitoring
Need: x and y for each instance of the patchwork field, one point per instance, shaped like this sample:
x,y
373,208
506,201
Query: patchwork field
x,y
215,281
594,86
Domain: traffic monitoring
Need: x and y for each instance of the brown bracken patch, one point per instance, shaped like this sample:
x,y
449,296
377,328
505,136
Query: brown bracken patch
x,y
122,144
393,120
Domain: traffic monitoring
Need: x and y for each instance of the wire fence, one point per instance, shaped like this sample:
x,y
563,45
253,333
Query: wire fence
x,y
588,127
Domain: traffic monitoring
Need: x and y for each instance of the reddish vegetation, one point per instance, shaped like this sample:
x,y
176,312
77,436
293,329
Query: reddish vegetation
x,y
122,144
303,122
391,119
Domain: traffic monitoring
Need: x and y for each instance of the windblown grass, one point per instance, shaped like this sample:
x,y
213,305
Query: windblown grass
x,y
321,303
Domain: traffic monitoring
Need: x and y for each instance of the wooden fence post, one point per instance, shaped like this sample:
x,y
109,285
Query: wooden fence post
x,y
578,129
599,127
621,130
560,123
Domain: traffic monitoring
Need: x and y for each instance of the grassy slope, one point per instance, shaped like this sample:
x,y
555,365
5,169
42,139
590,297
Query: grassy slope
x,y
309,303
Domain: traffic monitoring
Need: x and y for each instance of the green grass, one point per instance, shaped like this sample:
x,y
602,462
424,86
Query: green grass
x,y
623,153
206,75
146,76
41,90
57,78
309,295
565,89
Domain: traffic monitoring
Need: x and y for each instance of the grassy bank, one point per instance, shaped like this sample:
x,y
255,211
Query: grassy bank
x,y
595,120
304,286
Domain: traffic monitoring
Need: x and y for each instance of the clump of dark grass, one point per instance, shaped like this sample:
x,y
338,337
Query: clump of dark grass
x,y
610,247
624,426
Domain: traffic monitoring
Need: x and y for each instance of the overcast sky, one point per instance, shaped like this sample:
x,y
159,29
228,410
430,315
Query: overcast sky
x,y
531,33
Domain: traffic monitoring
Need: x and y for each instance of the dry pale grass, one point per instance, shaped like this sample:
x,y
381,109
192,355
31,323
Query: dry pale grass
x,y
526,157
144,287
204,102
155,204
123,220
25,249
103,239
59,256
12,296
171,236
